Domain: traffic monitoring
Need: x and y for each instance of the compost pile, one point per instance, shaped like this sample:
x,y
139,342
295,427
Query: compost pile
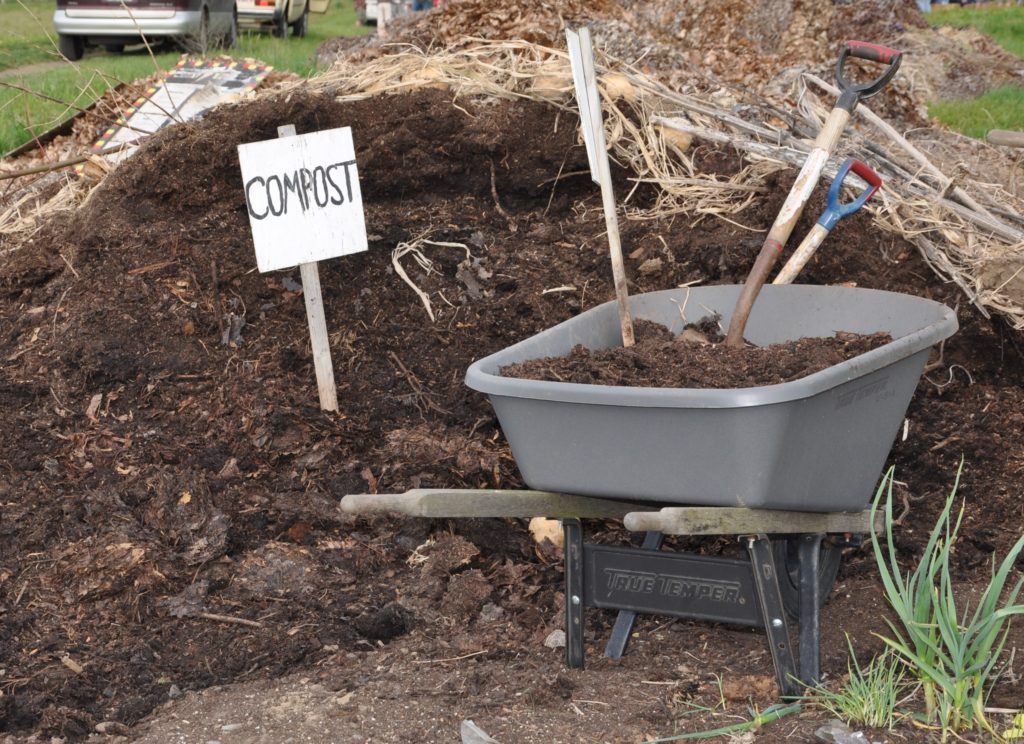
x,y
169,498
693,41
170,488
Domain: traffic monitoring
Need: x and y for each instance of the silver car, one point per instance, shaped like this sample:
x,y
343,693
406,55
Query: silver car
x,y
113,24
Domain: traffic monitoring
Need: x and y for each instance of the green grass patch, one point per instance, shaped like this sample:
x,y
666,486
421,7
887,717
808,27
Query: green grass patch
x,y
1004,24
1001,108
26,33
27,43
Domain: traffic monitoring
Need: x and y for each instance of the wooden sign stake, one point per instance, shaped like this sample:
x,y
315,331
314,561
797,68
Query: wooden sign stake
x,y
317,323
581,57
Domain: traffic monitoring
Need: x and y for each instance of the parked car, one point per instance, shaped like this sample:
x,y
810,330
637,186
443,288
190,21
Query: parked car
x,y
279,15
114,24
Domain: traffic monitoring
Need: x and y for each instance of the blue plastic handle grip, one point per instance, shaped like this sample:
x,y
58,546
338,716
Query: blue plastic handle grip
x,y
835,211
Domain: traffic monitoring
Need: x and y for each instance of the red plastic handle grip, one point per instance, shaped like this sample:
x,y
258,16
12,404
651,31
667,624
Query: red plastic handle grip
x,y
863,170
873,52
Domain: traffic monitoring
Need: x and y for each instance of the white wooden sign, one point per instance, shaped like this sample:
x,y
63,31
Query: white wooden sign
x,y
303,198
584,78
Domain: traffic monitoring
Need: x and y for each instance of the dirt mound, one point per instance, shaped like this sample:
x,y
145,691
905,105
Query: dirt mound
x,y
169,492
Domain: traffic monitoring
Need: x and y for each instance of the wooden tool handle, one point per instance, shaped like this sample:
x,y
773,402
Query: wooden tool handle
x,y
791,210
369,503
1005,137
801,255
483,502
722,520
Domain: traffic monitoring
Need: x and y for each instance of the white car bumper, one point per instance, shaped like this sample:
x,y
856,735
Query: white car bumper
x,y
119,23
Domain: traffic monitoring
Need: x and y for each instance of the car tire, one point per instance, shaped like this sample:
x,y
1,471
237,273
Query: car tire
x,y
281,25
229,39
199,42
72,47
301,26
114,48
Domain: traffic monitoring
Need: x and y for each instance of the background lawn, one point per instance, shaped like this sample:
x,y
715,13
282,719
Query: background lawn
x,y
1002,108
29,60
1005,24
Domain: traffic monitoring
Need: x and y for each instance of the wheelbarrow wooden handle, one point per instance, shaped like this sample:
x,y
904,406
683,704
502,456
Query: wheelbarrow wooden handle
x,y
455,502
719,520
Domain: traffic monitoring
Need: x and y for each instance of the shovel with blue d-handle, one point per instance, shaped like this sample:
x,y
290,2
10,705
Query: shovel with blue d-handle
x,y
824,144
834,211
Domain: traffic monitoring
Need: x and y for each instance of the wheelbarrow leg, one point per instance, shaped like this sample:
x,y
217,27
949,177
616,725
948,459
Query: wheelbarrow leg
x,y
766,581
573,531
624,622
810,609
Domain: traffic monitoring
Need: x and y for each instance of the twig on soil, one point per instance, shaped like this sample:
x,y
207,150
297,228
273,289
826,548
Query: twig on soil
x,y
554,184
151,267
453,658
949,381
228,619
73,270
71,664
56,310
417,386
512,226
47,167
216,298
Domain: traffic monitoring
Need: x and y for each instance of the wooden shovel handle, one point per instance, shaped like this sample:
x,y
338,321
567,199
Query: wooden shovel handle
x,y
791,210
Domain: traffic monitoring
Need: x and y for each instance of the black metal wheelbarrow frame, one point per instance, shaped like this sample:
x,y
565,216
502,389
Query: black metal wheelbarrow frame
x,y
795,462
763,591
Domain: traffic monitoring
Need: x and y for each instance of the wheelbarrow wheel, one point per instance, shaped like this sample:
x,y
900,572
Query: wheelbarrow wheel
x,y
785,552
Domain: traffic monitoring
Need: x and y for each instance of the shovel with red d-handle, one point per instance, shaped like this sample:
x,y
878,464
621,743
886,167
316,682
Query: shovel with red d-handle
x,y
850,95
834,211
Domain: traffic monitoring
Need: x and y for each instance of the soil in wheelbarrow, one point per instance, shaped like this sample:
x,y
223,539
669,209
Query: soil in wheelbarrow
x,y
173,563
696,358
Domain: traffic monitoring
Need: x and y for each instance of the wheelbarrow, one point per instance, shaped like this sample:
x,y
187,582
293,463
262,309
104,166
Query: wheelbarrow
x,y
790,467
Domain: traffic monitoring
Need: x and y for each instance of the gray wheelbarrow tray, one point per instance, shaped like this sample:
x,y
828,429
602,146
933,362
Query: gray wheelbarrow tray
x,y
815,444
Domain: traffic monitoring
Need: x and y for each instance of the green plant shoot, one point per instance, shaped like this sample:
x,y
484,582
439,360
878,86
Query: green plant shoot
x,y
953,653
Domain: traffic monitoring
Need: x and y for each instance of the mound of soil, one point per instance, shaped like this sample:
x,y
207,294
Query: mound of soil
x,y
169,487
